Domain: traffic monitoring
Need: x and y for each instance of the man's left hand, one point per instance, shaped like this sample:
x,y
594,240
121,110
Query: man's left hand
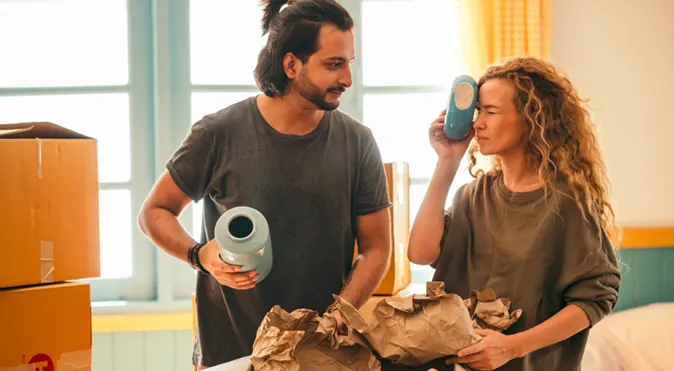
x,y
341,327
493,351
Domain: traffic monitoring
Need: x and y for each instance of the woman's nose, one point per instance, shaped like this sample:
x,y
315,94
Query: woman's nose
x,y
479,122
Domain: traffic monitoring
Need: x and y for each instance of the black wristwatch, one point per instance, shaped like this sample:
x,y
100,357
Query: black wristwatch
x,y
193,258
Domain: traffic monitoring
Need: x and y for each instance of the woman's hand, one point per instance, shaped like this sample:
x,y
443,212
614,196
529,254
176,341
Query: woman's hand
x,y
443,146
493,351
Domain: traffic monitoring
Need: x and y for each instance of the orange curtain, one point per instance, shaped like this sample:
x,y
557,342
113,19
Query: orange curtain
x,y
494,30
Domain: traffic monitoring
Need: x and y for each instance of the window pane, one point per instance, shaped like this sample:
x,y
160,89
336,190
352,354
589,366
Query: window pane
x,y
207,103
63,43
225,39
115,227
399,49
421,274
101,116
197,220
400,124
418,191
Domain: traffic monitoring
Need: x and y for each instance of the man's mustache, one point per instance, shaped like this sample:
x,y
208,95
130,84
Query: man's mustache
x,y
338,89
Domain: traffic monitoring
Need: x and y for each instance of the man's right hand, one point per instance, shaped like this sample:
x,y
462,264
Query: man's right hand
x,y
227,275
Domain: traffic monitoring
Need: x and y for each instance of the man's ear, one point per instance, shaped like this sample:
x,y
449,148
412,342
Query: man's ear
x,y
291,65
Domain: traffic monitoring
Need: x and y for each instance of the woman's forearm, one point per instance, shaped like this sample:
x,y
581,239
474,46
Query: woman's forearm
x,y
428,227
564,324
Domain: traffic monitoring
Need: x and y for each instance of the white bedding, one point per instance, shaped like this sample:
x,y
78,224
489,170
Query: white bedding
x,y
636,339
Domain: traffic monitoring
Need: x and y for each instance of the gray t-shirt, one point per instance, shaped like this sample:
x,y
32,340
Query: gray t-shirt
x,y
310,188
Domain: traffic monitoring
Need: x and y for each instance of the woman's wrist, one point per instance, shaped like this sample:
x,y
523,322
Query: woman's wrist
x,y
447,167
518,342
448,162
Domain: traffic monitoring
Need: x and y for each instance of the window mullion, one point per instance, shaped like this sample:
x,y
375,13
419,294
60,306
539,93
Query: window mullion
x,y
141,284
352,100
174,35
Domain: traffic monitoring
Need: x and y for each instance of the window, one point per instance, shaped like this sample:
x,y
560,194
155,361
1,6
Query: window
x,y
97,57
218,27
141,74
406,75
219,33
83,81
404,50
396,94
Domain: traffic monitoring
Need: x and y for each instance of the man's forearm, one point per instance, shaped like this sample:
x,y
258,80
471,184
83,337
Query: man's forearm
x,y
165,231
366,276
564,324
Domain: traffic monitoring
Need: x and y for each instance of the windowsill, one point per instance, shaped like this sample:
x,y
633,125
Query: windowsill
x,y
106,323
122,316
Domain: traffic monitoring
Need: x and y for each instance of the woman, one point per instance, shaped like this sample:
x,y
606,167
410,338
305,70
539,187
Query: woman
x,y
537,227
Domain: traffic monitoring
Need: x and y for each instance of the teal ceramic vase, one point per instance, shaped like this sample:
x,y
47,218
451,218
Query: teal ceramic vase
x,y
242,233
461,108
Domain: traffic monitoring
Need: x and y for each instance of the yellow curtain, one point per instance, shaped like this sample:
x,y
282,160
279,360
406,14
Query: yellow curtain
x,y
494,30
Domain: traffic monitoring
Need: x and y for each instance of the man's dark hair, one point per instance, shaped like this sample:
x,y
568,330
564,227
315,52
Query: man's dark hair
x,y
294,30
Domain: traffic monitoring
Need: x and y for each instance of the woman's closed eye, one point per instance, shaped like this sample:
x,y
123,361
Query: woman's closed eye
x,y
489,112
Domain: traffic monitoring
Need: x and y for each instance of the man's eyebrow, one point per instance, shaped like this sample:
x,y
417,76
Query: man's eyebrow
x,y
335,59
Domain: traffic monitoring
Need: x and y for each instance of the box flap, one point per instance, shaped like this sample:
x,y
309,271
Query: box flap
x,y
44,130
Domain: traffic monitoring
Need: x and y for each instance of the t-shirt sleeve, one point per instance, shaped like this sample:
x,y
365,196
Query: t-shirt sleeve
x,y
445,233
372,188
591,278
192,164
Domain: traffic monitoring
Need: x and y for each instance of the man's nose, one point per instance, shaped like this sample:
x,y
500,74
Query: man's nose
x,y
346,79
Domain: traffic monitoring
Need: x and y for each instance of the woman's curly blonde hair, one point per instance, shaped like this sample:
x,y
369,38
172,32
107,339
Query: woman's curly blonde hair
x,y
561,142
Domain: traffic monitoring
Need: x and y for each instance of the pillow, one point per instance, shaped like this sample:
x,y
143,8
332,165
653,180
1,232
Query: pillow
x,y
635,339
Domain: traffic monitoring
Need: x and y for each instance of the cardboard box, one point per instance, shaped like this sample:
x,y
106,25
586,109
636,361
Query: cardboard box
x,y
49,229
46,328
398,275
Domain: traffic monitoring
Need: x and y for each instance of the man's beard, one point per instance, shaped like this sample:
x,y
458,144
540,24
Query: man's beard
x,y
309,91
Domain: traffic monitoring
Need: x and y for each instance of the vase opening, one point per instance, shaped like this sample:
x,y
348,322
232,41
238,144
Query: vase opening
x,y
240,227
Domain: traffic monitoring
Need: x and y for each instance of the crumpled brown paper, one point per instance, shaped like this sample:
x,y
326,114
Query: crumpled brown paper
x,y
406,331
415,330
490,312
303,340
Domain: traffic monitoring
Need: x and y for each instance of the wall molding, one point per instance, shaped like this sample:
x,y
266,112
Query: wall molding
x,y
647,237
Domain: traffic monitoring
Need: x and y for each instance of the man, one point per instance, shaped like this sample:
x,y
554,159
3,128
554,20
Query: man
x,y
314,173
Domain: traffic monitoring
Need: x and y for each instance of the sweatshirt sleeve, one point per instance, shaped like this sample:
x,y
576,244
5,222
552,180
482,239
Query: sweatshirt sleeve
x,y
445,233
591,277
453,236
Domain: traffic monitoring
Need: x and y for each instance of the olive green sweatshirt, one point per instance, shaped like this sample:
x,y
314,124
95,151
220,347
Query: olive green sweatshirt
x,y
536,249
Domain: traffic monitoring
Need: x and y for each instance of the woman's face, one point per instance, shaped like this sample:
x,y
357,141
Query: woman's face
x,y
499,129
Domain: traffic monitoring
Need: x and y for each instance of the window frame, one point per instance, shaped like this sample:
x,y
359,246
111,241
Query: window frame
x,y
140,286
354,105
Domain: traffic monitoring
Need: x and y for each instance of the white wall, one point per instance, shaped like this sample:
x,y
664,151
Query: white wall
x,y
620,55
